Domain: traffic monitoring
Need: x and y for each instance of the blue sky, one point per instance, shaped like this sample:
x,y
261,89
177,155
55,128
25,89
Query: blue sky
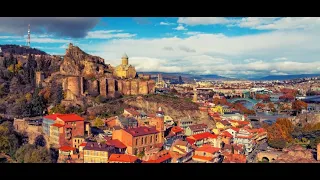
x,y
232,47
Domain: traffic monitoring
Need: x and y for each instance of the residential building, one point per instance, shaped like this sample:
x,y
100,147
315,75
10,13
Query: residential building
x,y
95,152
168,120
236,148
206,153
233,116
47,121
226,137
234,158
223,124
120,148
184,123
196,129
183,151
66,152
65,127
158,122
76,141
204,138
245,138
137,139
127,122
233,131
123,158
217,109
160,157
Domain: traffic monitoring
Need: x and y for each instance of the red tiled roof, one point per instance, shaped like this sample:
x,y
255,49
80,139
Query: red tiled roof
x,y
190,141
160,157
132,111
208,148
70,117
204,158
176,129
141,131
236,158
52,116
203,136
83,144
116,143
224,122
226,134
243,122
196,127
122,158
57,125
235,129
67,148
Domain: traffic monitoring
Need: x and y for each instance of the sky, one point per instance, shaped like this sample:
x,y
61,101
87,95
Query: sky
x,y
227,46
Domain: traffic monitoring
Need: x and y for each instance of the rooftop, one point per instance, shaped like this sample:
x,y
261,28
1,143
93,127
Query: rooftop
x,y
141,131
196,127
208,148
57,125
67,148
176,129
64,117
122,158
116,143
202,136
98,147
132,111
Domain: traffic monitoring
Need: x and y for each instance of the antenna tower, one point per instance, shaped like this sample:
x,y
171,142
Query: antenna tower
x,y
28,40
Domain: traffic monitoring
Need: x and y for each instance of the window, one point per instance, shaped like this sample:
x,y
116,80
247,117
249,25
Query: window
x,y
150,139
156,138
78,141
136,141
75,140
145,140
75,146
141,140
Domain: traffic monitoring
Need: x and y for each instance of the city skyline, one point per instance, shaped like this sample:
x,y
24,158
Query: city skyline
x,y
230,47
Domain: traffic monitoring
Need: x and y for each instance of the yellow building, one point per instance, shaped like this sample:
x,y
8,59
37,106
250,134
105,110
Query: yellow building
x,y
234,123
223,124
125,70
215,131
96,153
55,131
217,109
76,141
168,120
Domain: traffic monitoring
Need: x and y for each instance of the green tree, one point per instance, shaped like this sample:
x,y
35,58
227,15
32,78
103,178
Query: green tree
x,y
33,154
38,103
98,122
22,151
141,154
9,142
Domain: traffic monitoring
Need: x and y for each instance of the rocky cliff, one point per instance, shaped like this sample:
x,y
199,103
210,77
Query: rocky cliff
x,y
296,154
76,62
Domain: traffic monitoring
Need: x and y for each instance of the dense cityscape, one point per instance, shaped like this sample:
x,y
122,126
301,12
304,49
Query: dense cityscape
x,y
77,108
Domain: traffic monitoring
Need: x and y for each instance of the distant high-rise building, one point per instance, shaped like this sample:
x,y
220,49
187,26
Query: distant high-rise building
x,y
180,80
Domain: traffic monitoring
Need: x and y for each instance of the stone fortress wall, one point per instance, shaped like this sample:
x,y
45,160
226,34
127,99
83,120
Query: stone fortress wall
x,y
86,75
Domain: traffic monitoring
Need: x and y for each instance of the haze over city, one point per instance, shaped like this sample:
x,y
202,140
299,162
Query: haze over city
x,y
230,47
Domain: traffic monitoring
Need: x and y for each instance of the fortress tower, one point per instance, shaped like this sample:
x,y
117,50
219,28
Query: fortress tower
x,y
125,59
39,78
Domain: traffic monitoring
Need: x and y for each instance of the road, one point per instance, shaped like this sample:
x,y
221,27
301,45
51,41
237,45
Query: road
x,y
262,146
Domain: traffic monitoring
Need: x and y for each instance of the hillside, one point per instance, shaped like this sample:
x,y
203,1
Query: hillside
x,y
20,50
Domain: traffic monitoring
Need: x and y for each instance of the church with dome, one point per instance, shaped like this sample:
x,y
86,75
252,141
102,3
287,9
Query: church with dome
x,y
125,70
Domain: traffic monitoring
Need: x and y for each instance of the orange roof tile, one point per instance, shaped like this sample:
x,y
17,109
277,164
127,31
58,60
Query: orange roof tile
x,y
226,134
83,144
122,158
176,129
243,122
67,148
235,129
202,158
161,158
203,136
52,116
57,125
208,148
70,117
116,143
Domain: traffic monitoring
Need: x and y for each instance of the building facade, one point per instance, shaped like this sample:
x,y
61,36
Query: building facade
x,y
95,152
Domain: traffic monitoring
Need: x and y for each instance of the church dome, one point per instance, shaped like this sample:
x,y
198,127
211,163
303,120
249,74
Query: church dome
x,y
124,56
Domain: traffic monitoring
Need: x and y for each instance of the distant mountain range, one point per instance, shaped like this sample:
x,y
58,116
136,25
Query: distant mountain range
x,y
285,77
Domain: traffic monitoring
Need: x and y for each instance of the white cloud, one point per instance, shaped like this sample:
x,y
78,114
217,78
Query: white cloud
x,y
218,53
108,34
286,23
166,23
192,21
180,27
280,59
191,33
